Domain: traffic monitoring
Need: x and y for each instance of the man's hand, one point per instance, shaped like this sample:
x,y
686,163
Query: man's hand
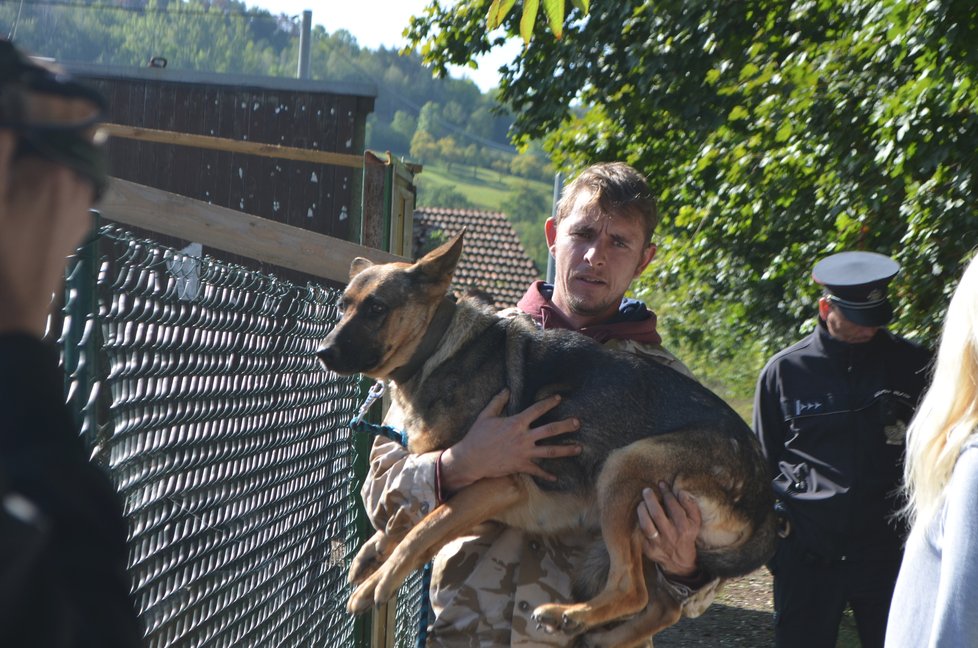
x,y
43,217
670,528
498,445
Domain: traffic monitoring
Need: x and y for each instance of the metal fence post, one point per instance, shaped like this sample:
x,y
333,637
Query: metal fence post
x,y
558,192
78,335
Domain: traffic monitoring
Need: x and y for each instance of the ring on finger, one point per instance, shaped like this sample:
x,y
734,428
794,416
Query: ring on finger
x,y
654,535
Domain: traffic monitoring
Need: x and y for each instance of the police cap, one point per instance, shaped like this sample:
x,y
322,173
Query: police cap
x,y
856,284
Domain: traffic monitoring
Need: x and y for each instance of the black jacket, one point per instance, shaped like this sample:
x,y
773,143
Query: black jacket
x,y
63,579
832,419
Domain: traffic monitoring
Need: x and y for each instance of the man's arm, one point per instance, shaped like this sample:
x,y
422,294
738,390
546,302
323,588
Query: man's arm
x,y
769,418
402,488
670,527
500,445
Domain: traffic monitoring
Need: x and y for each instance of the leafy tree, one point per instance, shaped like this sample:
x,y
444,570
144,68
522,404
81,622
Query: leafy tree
x,y
534,242
405,124
527,210
527,205
470,155
383,137
423,146
552,9
774,133
480,122
500,166
454,113
430,120
448,151
530,165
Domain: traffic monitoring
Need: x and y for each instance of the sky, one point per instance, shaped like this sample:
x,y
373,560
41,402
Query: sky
x,y
381,22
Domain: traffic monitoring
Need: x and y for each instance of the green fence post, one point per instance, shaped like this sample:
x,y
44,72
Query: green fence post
x,y
362,443
78,339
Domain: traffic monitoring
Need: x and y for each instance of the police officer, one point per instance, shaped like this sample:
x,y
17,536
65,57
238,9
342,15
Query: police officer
x,y
831,413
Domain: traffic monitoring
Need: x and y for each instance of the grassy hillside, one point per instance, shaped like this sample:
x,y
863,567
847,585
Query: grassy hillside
x,y
483,188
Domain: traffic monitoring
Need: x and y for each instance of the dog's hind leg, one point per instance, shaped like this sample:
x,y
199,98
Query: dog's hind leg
x,y
469,507
623,595
619,489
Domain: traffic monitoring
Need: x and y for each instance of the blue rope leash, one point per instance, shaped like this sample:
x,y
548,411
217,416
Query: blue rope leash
x,y
362,427
359,426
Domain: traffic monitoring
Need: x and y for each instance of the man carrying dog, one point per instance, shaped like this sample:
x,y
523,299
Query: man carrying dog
x,y
831,413
485,586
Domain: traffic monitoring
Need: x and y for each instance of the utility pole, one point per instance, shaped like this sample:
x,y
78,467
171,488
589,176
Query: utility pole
x,y
558,190
304,37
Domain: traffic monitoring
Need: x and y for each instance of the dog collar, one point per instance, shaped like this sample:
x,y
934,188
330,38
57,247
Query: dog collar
x,y
436,331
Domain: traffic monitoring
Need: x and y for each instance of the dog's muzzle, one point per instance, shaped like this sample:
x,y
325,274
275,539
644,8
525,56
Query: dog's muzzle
x,y
345,364
327,356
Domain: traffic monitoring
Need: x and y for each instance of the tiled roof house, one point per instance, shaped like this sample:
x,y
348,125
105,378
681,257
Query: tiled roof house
x,y
493,260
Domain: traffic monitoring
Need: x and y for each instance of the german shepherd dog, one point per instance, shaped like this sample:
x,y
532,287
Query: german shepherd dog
x,y
640,423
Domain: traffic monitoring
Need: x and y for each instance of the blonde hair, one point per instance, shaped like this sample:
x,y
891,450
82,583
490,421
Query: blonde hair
x,y
948,413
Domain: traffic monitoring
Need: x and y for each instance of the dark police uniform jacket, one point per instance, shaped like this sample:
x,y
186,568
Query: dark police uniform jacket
x,y
832,419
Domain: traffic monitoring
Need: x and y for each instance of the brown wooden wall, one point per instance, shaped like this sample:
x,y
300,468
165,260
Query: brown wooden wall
x,y
300,113
288,112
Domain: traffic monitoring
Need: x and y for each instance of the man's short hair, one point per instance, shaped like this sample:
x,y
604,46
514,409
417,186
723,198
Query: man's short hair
x,y
614,188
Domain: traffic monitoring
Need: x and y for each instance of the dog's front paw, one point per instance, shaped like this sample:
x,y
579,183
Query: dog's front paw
x,y
362,598
377,589
554,618
548,617
364,564
389,579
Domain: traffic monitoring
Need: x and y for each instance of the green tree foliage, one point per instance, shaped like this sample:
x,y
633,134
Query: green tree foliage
x,y
531,165
775,132
423,146
552,9
448,151
470,157
526,204
404,124
430,120
527,210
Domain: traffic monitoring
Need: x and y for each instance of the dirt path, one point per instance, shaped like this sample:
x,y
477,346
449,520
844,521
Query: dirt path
x,y
741,616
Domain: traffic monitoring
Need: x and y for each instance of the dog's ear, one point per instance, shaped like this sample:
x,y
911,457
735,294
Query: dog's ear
x,y
358,265
438,266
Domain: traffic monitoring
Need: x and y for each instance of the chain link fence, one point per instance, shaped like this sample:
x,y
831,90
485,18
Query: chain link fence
x,y
198,391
